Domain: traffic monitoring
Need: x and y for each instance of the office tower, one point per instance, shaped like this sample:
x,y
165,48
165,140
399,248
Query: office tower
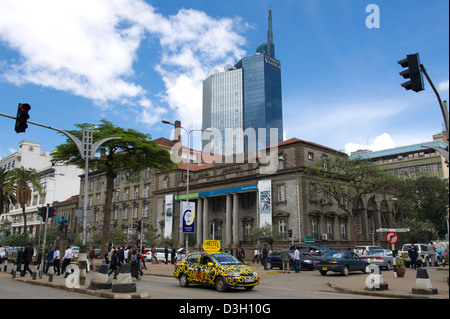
x,y
245,98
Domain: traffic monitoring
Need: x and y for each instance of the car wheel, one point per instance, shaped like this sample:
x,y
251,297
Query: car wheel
x,y
220,284
323,272
345,272
388,267
184,281
269,265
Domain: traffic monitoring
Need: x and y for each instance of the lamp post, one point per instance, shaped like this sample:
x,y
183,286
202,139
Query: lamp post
x,y
298,199
188,161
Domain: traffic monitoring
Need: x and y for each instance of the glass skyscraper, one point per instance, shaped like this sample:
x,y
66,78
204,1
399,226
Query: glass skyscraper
x,y
245,99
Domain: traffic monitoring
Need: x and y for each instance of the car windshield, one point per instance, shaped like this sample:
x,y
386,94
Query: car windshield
x,y
334,254
376,253
226,259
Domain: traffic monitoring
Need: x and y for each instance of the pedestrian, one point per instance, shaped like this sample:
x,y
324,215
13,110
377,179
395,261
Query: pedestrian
x,y
50,253
57,261
120,252
265,253
255,255
19,260
153,250
297,260
125,254
166,254
67,258
143,261
432,253
412,253
115,264
134,264
91,258
27,259
172,255
285,259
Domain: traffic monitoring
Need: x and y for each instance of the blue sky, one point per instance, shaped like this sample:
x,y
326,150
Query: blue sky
x,y
136,62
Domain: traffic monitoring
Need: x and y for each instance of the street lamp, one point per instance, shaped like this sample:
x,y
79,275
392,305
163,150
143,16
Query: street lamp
x,y
188,161
281,158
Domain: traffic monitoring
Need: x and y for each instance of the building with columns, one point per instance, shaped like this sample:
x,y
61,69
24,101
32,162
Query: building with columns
x,y
230,199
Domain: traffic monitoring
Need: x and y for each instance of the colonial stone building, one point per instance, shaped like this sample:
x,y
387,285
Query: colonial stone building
x,y
228,204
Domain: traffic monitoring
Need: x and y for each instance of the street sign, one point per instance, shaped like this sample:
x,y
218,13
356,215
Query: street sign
x,y
188,217
393,230
392,238
309,240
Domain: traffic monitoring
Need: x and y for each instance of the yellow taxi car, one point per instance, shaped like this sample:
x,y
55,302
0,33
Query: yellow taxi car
x,y
217,269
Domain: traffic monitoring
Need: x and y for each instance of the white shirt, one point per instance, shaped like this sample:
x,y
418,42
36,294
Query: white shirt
x,y
68,254
296,255
56,254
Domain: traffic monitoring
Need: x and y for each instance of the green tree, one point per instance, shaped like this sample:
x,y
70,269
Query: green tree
x,y
349,182
267,233
135,151
19,180
6,197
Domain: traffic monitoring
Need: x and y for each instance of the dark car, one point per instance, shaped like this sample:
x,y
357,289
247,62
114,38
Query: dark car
x,y
311,249
342,262
274,260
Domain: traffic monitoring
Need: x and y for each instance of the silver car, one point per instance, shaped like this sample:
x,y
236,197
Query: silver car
x,y
381,257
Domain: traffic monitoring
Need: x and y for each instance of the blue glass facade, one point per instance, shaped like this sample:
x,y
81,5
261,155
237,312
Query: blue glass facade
x,y
260,106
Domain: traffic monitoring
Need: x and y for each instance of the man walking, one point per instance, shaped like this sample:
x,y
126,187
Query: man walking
x,y
68,255
285,259
297,260
265,253
27,259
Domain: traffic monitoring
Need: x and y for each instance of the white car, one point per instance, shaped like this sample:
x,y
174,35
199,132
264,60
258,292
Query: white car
x,y
364,250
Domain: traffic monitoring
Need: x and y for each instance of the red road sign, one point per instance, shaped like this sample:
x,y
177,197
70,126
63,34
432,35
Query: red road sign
x,y
392,238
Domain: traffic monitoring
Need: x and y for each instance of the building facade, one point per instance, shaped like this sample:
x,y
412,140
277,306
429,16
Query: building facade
x,y
247,100
58,183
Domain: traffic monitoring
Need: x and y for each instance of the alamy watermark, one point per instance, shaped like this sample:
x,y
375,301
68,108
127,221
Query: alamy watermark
x,y
373,19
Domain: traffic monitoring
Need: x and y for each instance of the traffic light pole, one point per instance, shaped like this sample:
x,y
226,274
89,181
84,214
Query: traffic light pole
x,y
443,106
44,242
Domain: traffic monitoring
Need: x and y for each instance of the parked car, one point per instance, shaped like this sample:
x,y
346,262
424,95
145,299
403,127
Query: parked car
x,y
313,250
2,254
160,255
274,260
381,257
220,270
364,250
75,251
422,258
342,262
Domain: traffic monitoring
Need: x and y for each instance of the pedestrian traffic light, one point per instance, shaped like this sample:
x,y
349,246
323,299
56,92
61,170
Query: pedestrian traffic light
x,y
43,212
137,225
22,118
290,233
413,72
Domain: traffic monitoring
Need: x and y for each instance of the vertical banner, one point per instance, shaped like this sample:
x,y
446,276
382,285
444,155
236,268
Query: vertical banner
x,y
168,217
265,202
188,217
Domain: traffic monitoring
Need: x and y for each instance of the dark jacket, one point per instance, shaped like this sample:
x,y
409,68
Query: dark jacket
x,y
28,254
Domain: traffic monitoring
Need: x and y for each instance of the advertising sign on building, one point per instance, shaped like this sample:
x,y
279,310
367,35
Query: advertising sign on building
x,y
188,217
168,217
265,202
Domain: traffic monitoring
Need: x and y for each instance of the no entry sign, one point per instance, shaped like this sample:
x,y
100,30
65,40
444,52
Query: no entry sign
x,y
392,238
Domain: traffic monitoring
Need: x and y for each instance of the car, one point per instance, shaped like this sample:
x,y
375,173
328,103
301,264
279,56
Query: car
x,y
217,269
274,260
381,257
422,259
160,254
75,251
364,250
342,262
313,250
2,254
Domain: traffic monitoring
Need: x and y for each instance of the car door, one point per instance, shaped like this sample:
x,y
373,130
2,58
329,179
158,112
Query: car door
x,y
207,270
192,267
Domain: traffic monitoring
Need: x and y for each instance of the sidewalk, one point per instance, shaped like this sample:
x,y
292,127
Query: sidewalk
x,y
397,287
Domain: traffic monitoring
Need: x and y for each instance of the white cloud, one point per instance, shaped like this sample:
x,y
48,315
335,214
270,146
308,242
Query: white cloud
x,y
88,47
382,142
444,86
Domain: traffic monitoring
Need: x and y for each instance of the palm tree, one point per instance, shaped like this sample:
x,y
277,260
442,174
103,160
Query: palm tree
x,y
18,180
6,198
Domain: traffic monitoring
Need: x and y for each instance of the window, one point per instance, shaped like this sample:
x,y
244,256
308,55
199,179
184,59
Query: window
x,y
145,210
310,156
315,227
281,193
330,228
358,223
282,228
343,230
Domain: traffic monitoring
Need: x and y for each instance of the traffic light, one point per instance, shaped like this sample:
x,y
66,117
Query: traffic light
x,y
22,118
290,233
137,225
412,63
43,212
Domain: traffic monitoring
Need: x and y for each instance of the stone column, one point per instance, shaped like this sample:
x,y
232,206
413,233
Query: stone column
x,y
235,221
205,218
228,220
199,229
